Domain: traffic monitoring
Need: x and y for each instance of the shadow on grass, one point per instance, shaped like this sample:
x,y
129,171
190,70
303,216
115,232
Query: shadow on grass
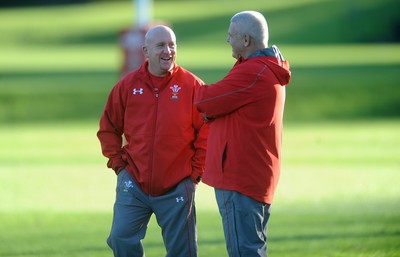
x,y
314,22
315,93
85,251
334,236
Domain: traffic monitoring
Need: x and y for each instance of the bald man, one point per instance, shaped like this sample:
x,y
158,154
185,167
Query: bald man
x,y
163,158
246,113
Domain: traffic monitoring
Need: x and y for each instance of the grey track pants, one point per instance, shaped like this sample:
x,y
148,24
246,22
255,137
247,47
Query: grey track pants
x,y
245,224
174,211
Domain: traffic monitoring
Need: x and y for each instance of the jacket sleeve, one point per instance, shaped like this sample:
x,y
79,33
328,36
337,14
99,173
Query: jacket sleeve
x,y
232,92
111,129
200,144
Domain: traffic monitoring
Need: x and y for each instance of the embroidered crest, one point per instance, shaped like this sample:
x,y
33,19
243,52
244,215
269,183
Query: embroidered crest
x,y
127,184
175,90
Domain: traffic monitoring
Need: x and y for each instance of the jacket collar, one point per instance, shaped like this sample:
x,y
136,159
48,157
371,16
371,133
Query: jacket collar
x,y
145,69
272,51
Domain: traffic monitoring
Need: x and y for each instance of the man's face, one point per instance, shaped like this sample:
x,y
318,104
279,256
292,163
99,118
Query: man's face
x,y
236,41
161,52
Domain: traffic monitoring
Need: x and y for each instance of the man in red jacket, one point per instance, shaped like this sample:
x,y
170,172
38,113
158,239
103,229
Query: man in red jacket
x,y
163,157
244,145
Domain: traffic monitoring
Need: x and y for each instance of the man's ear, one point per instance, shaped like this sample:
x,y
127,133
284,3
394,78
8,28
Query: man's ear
x,y
247,40
144,49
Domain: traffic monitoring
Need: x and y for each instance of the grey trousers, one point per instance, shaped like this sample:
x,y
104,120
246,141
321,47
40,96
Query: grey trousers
x,y
175,213
244,222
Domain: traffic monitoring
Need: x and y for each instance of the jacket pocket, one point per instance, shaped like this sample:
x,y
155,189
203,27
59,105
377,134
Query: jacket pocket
x,y
223,159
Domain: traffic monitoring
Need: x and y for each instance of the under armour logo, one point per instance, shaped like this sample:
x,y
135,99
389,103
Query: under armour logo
x,y
180,199
140,91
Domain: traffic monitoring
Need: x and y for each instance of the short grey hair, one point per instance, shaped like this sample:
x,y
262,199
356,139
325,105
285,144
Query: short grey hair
x,y
253,24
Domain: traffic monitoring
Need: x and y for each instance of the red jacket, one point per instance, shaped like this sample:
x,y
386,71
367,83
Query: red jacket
x,y
165,134
244,143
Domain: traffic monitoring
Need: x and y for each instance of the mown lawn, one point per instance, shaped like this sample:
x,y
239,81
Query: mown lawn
x,y
338,194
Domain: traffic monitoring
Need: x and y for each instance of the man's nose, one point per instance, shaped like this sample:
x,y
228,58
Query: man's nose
x,y
167,49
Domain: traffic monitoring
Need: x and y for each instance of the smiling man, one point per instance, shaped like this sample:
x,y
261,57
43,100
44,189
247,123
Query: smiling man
x,y
160,49
163,157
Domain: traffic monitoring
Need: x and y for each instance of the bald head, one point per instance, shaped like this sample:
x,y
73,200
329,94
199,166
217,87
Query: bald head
x,y
158,31
160,50
253,24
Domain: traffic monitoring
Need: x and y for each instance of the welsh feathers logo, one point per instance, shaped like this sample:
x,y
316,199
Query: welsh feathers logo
x,y
175,90
127,184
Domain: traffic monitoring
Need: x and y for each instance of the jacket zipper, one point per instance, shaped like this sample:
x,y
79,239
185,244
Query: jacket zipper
x,y
156,93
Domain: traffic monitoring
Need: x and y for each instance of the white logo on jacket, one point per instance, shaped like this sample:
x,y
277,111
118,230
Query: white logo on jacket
x,y
180,199
127,184
140,91
175,89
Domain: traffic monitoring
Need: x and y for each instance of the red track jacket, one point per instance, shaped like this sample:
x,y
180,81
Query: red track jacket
x,y
165,134
244,144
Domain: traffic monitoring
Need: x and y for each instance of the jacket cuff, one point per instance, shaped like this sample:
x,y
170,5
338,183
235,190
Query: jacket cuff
x,y
116,164
196,177
118,169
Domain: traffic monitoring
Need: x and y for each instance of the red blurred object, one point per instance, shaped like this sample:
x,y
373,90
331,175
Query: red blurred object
x,y
131,41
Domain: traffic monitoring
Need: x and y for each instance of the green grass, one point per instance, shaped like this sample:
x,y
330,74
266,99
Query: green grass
x,y
59,63
332,87
338,194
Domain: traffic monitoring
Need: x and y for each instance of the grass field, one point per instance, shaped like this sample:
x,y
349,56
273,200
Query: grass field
x,y
338,195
